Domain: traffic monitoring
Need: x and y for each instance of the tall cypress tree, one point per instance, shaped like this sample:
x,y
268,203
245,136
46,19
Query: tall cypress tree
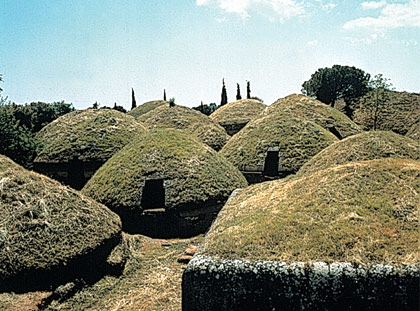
x,y
133,99
224,95
164,94
238,92
248,89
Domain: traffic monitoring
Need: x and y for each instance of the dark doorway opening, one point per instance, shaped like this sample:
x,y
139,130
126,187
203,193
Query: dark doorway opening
x,y
76,175
271,165
153,196
334,131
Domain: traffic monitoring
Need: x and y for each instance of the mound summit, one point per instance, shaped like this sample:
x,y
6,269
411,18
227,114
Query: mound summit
x,y
235,115
307,108
183,118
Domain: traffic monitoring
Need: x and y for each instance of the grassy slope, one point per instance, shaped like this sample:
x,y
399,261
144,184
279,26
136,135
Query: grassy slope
x,y
183,118
298,141
238,112
365,146
92,134
197,173
365,212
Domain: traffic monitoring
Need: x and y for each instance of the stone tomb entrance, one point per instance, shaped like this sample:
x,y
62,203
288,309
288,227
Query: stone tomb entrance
x,y
271,164
153,196
335,132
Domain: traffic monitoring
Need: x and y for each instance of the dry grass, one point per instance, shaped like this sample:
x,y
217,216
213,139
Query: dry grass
x,y
238,112
365,146
146,107
190,120
151,279
414,131
22,302
364,212
44,224
92,134
193,171
399,113
307,108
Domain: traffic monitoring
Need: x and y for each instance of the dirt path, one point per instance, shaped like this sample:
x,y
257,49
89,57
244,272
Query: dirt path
x,y
151,280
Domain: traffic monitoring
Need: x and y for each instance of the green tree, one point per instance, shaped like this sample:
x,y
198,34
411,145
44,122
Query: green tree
x,y
330,84
248,89
133,99
16,141
164,94
224,99
238,92
119,108
374,103
172,102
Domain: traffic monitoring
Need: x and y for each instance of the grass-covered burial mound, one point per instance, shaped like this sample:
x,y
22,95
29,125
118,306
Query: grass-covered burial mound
x,y
365,146
184,118
73,146
343,238
235,115
166,183
275,145
146,107
307,108
49,233
361,212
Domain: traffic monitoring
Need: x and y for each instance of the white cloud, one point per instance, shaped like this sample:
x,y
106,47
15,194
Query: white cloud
x,y
396,15
313,43
373,4
274,9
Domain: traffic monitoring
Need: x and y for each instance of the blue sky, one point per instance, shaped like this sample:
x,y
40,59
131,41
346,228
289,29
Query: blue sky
x,y
87,51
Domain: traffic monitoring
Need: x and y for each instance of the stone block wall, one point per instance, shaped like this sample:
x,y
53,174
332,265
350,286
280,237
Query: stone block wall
x,y
213,284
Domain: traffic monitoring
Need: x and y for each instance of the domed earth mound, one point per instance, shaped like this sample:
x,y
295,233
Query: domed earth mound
x,y
49,233
74,146
397,113
365,146
169,174
275,145
362,212
92,134
183,118
307,108
146,107
235,115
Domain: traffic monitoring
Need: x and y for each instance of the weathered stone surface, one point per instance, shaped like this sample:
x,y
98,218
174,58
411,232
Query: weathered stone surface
x,y
213,284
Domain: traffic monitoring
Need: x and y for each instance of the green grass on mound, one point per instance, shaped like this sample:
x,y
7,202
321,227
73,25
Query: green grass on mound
x,y
365,146
92,134
364,212
193,172
44,224
298,141
238,112
146,107
183,118
307,108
